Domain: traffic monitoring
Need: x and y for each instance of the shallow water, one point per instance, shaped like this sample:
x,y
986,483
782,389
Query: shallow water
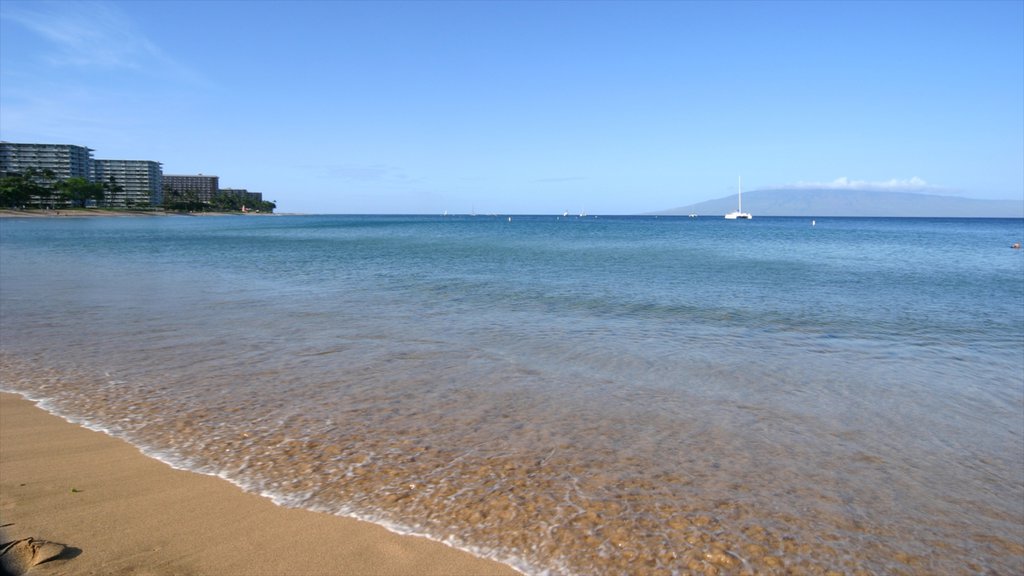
x,y
580,396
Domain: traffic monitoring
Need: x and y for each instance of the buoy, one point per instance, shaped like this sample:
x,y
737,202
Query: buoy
x,y
1015,246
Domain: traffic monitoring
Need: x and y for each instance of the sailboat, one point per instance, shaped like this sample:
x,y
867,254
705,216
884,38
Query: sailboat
x,y
739,214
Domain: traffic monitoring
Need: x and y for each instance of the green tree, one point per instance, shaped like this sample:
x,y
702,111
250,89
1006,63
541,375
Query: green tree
x,y
171,199
187,201
78,191
19,189
112,190
224,202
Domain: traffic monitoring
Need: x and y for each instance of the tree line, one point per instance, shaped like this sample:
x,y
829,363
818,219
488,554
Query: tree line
x,y
189,201
40,189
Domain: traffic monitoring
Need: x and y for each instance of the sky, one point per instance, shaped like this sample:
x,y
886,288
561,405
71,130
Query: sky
x,y
528,107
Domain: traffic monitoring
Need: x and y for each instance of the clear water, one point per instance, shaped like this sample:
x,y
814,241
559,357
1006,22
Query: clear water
x,y
579,396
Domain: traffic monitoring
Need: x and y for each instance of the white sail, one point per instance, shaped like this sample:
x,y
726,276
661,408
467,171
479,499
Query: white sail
x,y
739,214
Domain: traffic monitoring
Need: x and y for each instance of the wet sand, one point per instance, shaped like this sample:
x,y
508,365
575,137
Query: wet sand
x,y
120,512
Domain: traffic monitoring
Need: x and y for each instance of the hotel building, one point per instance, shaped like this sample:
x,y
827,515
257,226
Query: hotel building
x,y
64,160
244,195
140,182
129,183
204,187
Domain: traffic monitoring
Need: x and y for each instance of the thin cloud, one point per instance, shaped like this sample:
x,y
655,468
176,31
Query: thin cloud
x,y
94,35
913,184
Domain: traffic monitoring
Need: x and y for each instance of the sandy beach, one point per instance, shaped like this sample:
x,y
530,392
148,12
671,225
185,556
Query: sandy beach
x,y
121,213
119,512
100,212
75,213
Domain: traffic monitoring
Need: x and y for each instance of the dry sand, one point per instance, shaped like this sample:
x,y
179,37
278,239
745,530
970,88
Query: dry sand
x,y
120,512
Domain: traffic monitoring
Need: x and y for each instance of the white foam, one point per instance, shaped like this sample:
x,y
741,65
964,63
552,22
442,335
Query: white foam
x,y
299,501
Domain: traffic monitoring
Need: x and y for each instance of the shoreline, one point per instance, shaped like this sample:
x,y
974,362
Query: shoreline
x,y
76,213
118,511
103,212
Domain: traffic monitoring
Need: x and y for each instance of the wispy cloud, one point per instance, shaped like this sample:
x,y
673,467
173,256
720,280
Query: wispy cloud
x,y
94,35
844,183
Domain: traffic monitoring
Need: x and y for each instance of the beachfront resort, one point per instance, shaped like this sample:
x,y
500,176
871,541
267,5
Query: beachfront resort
x,y
67,175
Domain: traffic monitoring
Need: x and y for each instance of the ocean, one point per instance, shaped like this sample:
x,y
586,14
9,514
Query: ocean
x,y
598,395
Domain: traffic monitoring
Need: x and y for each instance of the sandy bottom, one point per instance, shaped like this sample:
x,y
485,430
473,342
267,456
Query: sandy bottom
x,y
117,511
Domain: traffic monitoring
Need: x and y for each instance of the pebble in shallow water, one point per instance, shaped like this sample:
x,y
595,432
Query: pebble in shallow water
x,y
597,515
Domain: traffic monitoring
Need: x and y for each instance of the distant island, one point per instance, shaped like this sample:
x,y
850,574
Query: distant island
x,y
863,203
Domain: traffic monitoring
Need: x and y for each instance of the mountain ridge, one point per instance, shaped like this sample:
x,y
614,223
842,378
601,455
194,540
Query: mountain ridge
x,y
869,203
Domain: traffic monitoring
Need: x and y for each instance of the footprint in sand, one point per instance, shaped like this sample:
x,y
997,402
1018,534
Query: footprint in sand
x,y
18,556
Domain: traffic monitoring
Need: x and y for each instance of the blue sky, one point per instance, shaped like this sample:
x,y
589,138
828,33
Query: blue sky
x,y
528,107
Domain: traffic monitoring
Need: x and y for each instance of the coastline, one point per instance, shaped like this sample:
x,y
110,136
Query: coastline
x,y
120,512
101,212
74,213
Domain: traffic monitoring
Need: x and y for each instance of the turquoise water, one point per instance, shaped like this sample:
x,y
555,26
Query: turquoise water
x,y
568,395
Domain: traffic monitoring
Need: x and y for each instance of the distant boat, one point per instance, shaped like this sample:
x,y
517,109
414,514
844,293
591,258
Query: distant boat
x,y
739,214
